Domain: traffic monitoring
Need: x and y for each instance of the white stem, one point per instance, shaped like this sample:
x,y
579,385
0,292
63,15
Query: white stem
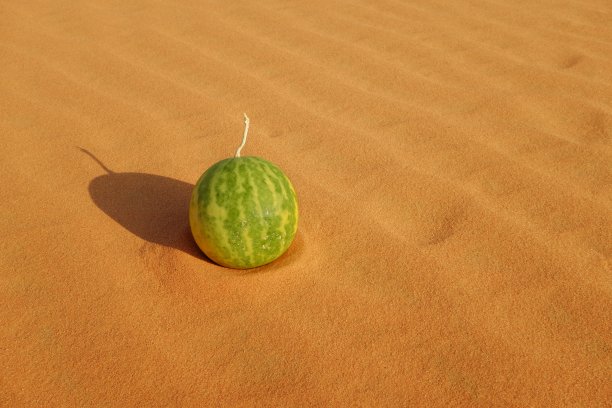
x,y
244,137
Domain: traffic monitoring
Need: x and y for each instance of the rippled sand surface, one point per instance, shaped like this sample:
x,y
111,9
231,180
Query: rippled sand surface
x,y
453,164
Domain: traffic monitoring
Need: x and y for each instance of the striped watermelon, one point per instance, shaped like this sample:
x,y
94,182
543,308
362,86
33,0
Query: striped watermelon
x,y
243,212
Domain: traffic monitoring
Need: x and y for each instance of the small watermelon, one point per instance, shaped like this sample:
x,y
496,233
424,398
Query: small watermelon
x,y
243,211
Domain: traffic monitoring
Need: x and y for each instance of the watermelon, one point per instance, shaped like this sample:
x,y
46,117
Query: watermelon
x,y
243,212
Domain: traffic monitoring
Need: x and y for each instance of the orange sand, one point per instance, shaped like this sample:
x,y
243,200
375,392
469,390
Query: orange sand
x,y
453,162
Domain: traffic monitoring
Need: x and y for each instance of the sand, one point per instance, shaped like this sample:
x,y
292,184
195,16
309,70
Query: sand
x,y
453,163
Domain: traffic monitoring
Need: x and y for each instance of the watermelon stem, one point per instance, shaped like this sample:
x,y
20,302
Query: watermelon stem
x,y
244,137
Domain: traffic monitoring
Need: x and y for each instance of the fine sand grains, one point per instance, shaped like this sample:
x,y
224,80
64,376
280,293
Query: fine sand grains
x,y
453,165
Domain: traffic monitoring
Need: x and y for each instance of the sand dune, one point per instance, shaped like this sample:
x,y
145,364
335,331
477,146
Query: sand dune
x,y
453,166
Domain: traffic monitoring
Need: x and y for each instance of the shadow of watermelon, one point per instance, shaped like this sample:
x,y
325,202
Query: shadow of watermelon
x,y
154,208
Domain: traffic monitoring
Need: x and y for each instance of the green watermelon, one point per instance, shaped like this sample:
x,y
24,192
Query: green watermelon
x,y
243,212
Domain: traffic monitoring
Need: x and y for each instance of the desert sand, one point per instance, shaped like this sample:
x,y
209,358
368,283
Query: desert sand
x,y
453,164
